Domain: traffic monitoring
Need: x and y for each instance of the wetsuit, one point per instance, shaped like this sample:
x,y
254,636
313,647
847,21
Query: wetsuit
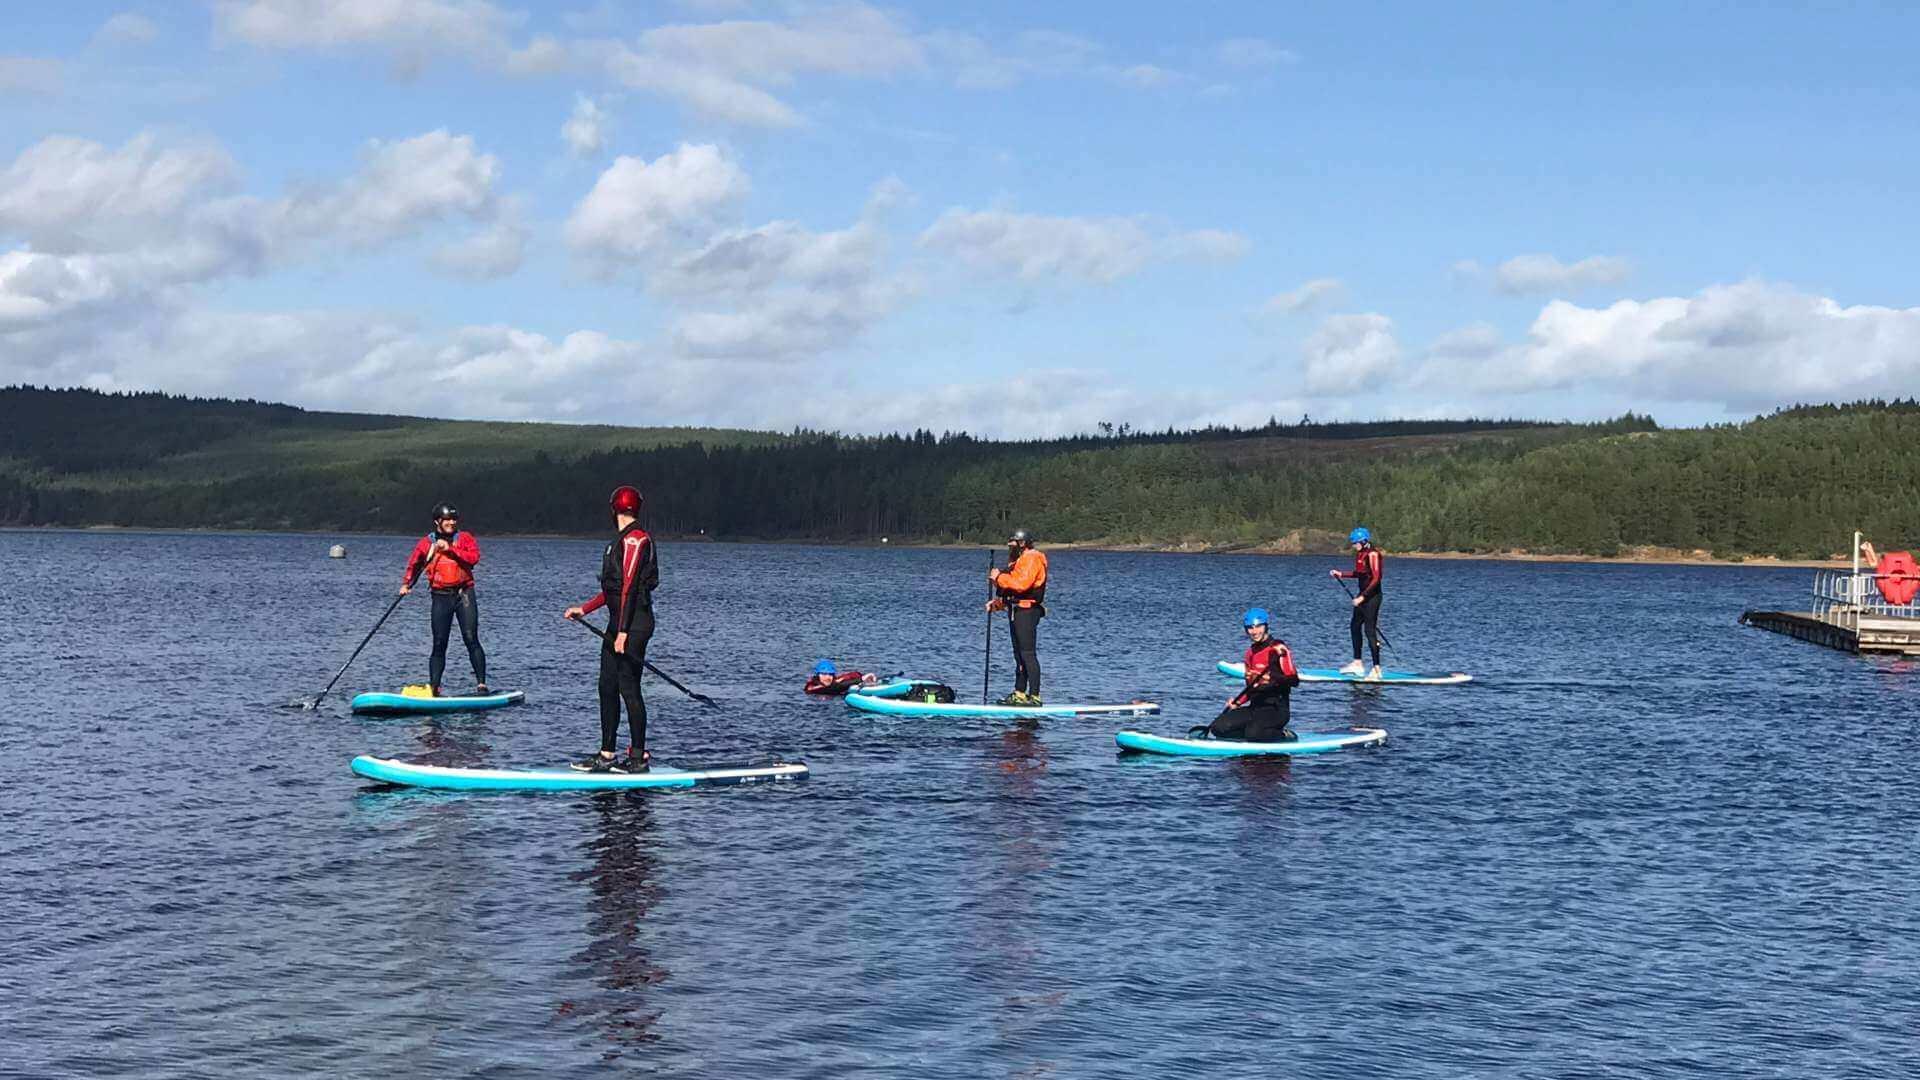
x,y
451,576
1368,567
1261,711
1022,589
834,685
629,572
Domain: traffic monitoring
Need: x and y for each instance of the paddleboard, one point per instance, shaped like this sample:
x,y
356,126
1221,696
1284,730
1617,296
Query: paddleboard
x,y
1233,670
379,704
1309,742
892,688
392,771
891,707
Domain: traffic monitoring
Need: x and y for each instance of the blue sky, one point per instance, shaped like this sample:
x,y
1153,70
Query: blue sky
x,y
1014,219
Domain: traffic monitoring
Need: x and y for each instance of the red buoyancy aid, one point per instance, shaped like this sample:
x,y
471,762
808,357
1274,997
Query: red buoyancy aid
x,y
1897,577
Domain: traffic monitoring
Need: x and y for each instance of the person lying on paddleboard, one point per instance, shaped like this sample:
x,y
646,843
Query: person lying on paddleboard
x,y
1367,570
1261,710
448,557
831,682
1021,590
629,572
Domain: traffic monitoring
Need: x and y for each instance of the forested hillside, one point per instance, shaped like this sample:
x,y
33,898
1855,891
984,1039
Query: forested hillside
x,y
1793,484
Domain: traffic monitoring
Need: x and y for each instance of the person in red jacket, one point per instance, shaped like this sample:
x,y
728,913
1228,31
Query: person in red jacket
x,y
448,556
1368,571
629,572
829,681
1021,590
1262,709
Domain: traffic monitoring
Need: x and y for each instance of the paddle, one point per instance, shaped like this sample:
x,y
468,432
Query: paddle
x,y
670,680
986,674
1352,596
315,703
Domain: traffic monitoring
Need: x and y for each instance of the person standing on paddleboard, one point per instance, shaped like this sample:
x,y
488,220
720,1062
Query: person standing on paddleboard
x,y
1261,711
1367,569
629,572
1021,590
448,557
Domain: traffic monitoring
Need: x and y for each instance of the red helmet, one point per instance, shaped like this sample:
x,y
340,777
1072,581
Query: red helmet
x,y
625,500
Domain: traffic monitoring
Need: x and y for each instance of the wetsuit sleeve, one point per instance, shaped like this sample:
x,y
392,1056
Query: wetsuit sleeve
x,y
465,550
1028,570
1378,566
599,601
416,563
1289,674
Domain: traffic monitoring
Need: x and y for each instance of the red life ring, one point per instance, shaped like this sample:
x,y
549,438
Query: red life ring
x,y
1898,577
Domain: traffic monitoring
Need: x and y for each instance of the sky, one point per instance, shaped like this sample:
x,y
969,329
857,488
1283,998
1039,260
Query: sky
x,y
1019,220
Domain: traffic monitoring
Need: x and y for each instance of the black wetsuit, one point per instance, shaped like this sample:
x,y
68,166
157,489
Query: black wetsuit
x,y
629,572
448,605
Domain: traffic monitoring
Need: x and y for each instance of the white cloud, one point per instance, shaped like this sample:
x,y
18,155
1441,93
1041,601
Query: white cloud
x,y
494,251
67,194
1306,297
31,75
638,210
1253,54
585,131
723,70
1524,274
422,27
1473,341
126,29
399,187
1148,76
117,235
1033,247
1746,346
1351,352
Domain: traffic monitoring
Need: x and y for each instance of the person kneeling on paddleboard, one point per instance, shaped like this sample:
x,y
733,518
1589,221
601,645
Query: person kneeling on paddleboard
x,y
831,682
629,572
1367,570
1260,711
1021,590
448,557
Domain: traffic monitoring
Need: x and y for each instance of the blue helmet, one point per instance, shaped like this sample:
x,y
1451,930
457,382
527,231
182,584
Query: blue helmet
x,y
825,667
1360,536
1255,617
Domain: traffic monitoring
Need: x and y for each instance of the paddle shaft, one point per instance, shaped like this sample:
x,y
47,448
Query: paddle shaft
x,y
315,703
670,680
1376,629
986,673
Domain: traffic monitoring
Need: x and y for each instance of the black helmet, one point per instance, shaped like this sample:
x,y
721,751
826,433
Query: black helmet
x,y
445,510
1021,537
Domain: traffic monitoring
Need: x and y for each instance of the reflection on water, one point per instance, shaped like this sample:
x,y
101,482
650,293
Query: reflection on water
x,y
622,876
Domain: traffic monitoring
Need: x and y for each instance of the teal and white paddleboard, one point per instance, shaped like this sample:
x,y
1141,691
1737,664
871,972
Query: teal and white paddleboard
x,y
1398,678
379,704
392,771
893,707
892,688
1309,742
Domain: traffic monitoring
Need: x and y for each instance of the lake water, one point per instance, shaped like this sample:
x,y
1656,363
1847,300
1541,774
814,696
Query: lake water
x,y
1647,842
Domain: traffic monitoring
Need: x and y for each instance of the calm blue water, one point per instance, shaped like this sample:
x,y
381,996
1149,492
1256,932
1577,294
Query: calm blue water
x,y
1648,843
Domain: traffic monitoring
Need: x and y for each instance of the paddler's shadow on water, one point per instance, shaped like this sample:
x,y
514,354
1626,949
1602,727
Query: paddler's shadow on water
x,y
621,873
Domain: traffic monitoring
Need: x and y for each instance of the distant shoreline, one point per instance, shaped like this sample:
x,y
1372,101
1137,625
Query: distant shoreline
x,y
1636,556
